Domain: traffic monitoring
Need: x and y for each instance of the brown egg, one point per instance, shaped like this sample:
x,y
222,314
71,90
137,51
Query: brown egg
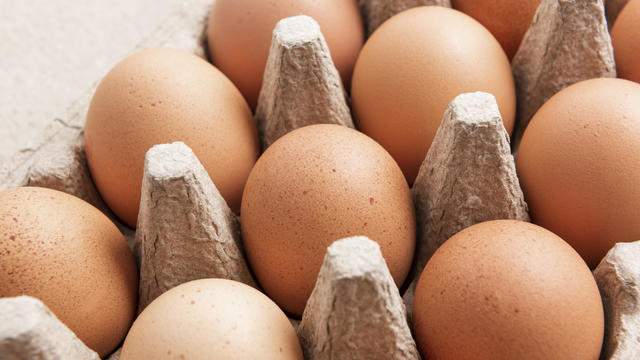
x,y
410,70
507,290
160,96
578,165
239,36
212,319
65,252
507,20
625,36
314,186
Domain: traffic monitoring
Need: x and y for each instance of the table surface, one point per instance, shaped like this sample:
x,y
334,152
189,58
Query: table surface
x,y
53,51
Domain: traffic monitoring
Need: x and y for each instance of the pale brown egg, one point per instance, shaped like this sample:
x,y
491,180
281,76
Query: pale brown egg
x,y
239,36
314,186
161,96
578,165
212,319
507,20
625,36
413,66
507,290
65,252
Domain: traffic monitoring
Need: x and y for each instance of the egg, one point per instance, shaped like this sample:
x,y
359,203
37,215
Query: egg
x,y
578,165
160,96
65,252
212,319
413,66
625,36
239,36
506,289
316,185
507,20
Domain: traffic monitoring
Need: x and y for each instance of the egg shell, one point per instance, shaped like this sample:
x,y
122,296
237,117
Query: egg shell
x,y
314,186
239,36
65,252
507,289
212,319
507,20
159,96
413,66
578,165
625,36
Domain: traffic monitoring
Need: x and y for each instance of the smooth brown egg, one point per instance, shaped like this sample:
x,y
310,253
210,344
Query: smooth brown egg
x,y
160,96
212,319
578,165
314,186
625,36
507,20
65,252
239,36
507,290
413,66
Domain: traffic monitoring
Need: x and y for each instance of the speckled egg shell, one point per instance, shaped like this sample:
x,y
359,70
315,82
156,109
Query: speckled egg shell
x,y
507,20
239,36
579,166
625,36
413,66
507,290
314,186
65,252
160,96
212,319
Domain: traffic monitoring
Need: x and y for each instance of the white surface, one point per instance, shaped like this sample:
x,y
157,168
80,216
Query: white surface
x,y
52,51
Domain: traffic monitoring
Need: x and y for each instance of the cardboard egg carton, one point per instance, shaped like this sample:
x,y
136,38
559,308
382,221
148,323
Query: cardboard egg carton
x,y
568,42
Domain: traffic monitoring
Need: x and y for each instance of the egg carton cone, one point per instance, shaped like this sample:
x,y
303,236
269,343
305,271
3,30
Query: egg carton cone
x,y
29,330
355,310
468,177
568,42
185,231
574,31
299,69
618,278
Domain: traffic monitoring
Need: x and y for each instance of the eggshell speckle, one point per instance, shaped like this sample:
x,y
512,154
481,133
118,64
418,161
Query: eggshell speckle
x,y
159,96
578,165
507,290
507,20
239,36
413,66
212,319
65,252
314,186
625,36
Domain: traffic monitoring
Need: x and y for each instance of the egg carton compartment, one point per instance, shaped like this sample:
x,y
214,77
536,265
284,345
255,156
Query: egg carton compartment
x,y
471,158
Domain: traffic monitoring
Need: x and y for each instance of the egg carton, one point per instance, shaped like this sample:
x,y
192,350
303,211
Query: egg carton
x,y
468,176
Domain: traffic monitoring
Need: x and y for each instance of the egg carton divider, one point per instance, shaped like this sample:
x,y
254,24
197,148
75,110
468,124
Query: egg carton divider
x,y
29,330
468,176
567,42
561,27
185,231
618,278
336,325
301,85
